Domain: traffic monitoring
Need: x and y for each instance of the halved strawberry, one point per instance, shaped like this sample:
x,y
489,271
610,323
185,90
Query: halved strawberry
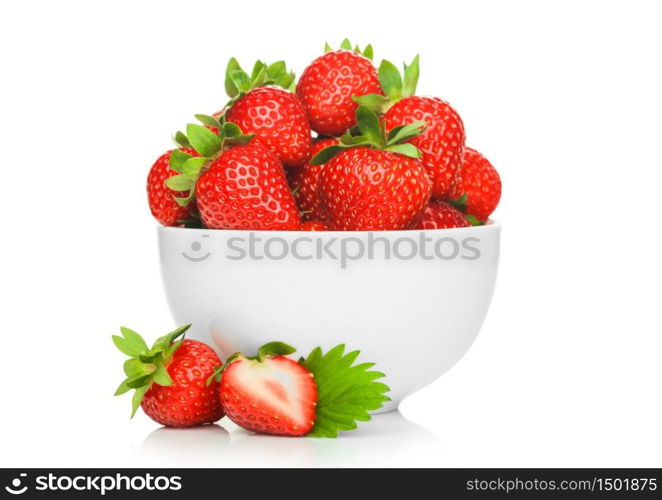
x,y
269,393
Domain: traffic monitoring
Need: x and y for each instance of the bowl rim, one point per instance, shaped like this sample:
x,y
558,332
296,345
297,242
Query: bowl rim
x,y
490,225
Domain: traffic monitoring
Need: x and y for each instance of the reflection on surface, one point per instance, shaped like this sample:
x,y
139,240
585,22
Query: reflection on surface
x,y
389,440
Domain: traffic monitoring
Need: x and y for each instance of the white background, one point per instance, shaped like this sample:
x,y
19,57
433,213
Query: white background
x,y
564,97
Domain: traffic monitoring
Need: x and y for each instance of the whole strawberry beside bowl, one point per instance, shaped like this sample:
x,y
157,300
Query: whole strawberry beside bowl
x,y
169,379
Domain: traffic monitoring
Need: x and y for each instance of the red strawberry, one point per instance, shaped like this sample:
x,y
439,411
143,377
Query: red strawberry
x,y
364,189
271,394
442,215
372,182
442,142
278,118
170,379
161,198
327,86
245,188
304,182
314,226
480,183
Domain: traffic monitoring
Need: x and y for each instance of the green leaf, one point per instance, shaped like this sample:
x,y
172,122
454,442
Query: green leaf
x,y
292,85
137,399
138,381
230,88
275,349
260,78
209,120
390,80
162,377
133,337
411,78
181,140
405,132
474,221
406,149
277,70
179,183
184,201
375,102
177,159
393,133
459,203
123,388
192,167
174,346
203,140
134,367
241,80
130,343
368,123
231,130
151,358
241,139
164,342
346,391
327,47
368,52
258,67
346,44
357,140
326,154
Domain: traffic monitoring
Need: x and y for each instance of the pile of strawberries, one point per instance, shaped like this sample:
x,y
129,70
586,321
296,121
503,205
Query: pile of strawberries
x,y
183,383
348,147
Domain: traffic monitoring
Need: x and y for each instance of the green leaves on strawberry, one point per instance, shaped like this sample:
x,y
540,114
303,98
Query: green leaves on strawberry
x,y
207,145
346,391
371,133
394,85
238,82
145,365
169,378
347,45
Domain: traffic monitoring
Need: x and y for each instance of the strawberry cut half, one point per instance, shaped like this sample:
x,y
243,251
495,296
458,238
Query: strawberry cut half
x,y
270,393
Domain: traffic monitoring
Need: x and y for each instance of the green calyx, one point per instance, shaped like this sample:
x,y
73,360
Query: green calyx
x,y
238,82
146,366
371,133
394,85
461,205
474,221
268,350
208,145
347,45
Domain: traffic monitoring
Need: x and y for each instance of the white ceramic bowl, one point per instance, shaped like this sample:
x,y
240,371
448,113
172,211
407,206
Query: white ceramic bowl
x,y
414,313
